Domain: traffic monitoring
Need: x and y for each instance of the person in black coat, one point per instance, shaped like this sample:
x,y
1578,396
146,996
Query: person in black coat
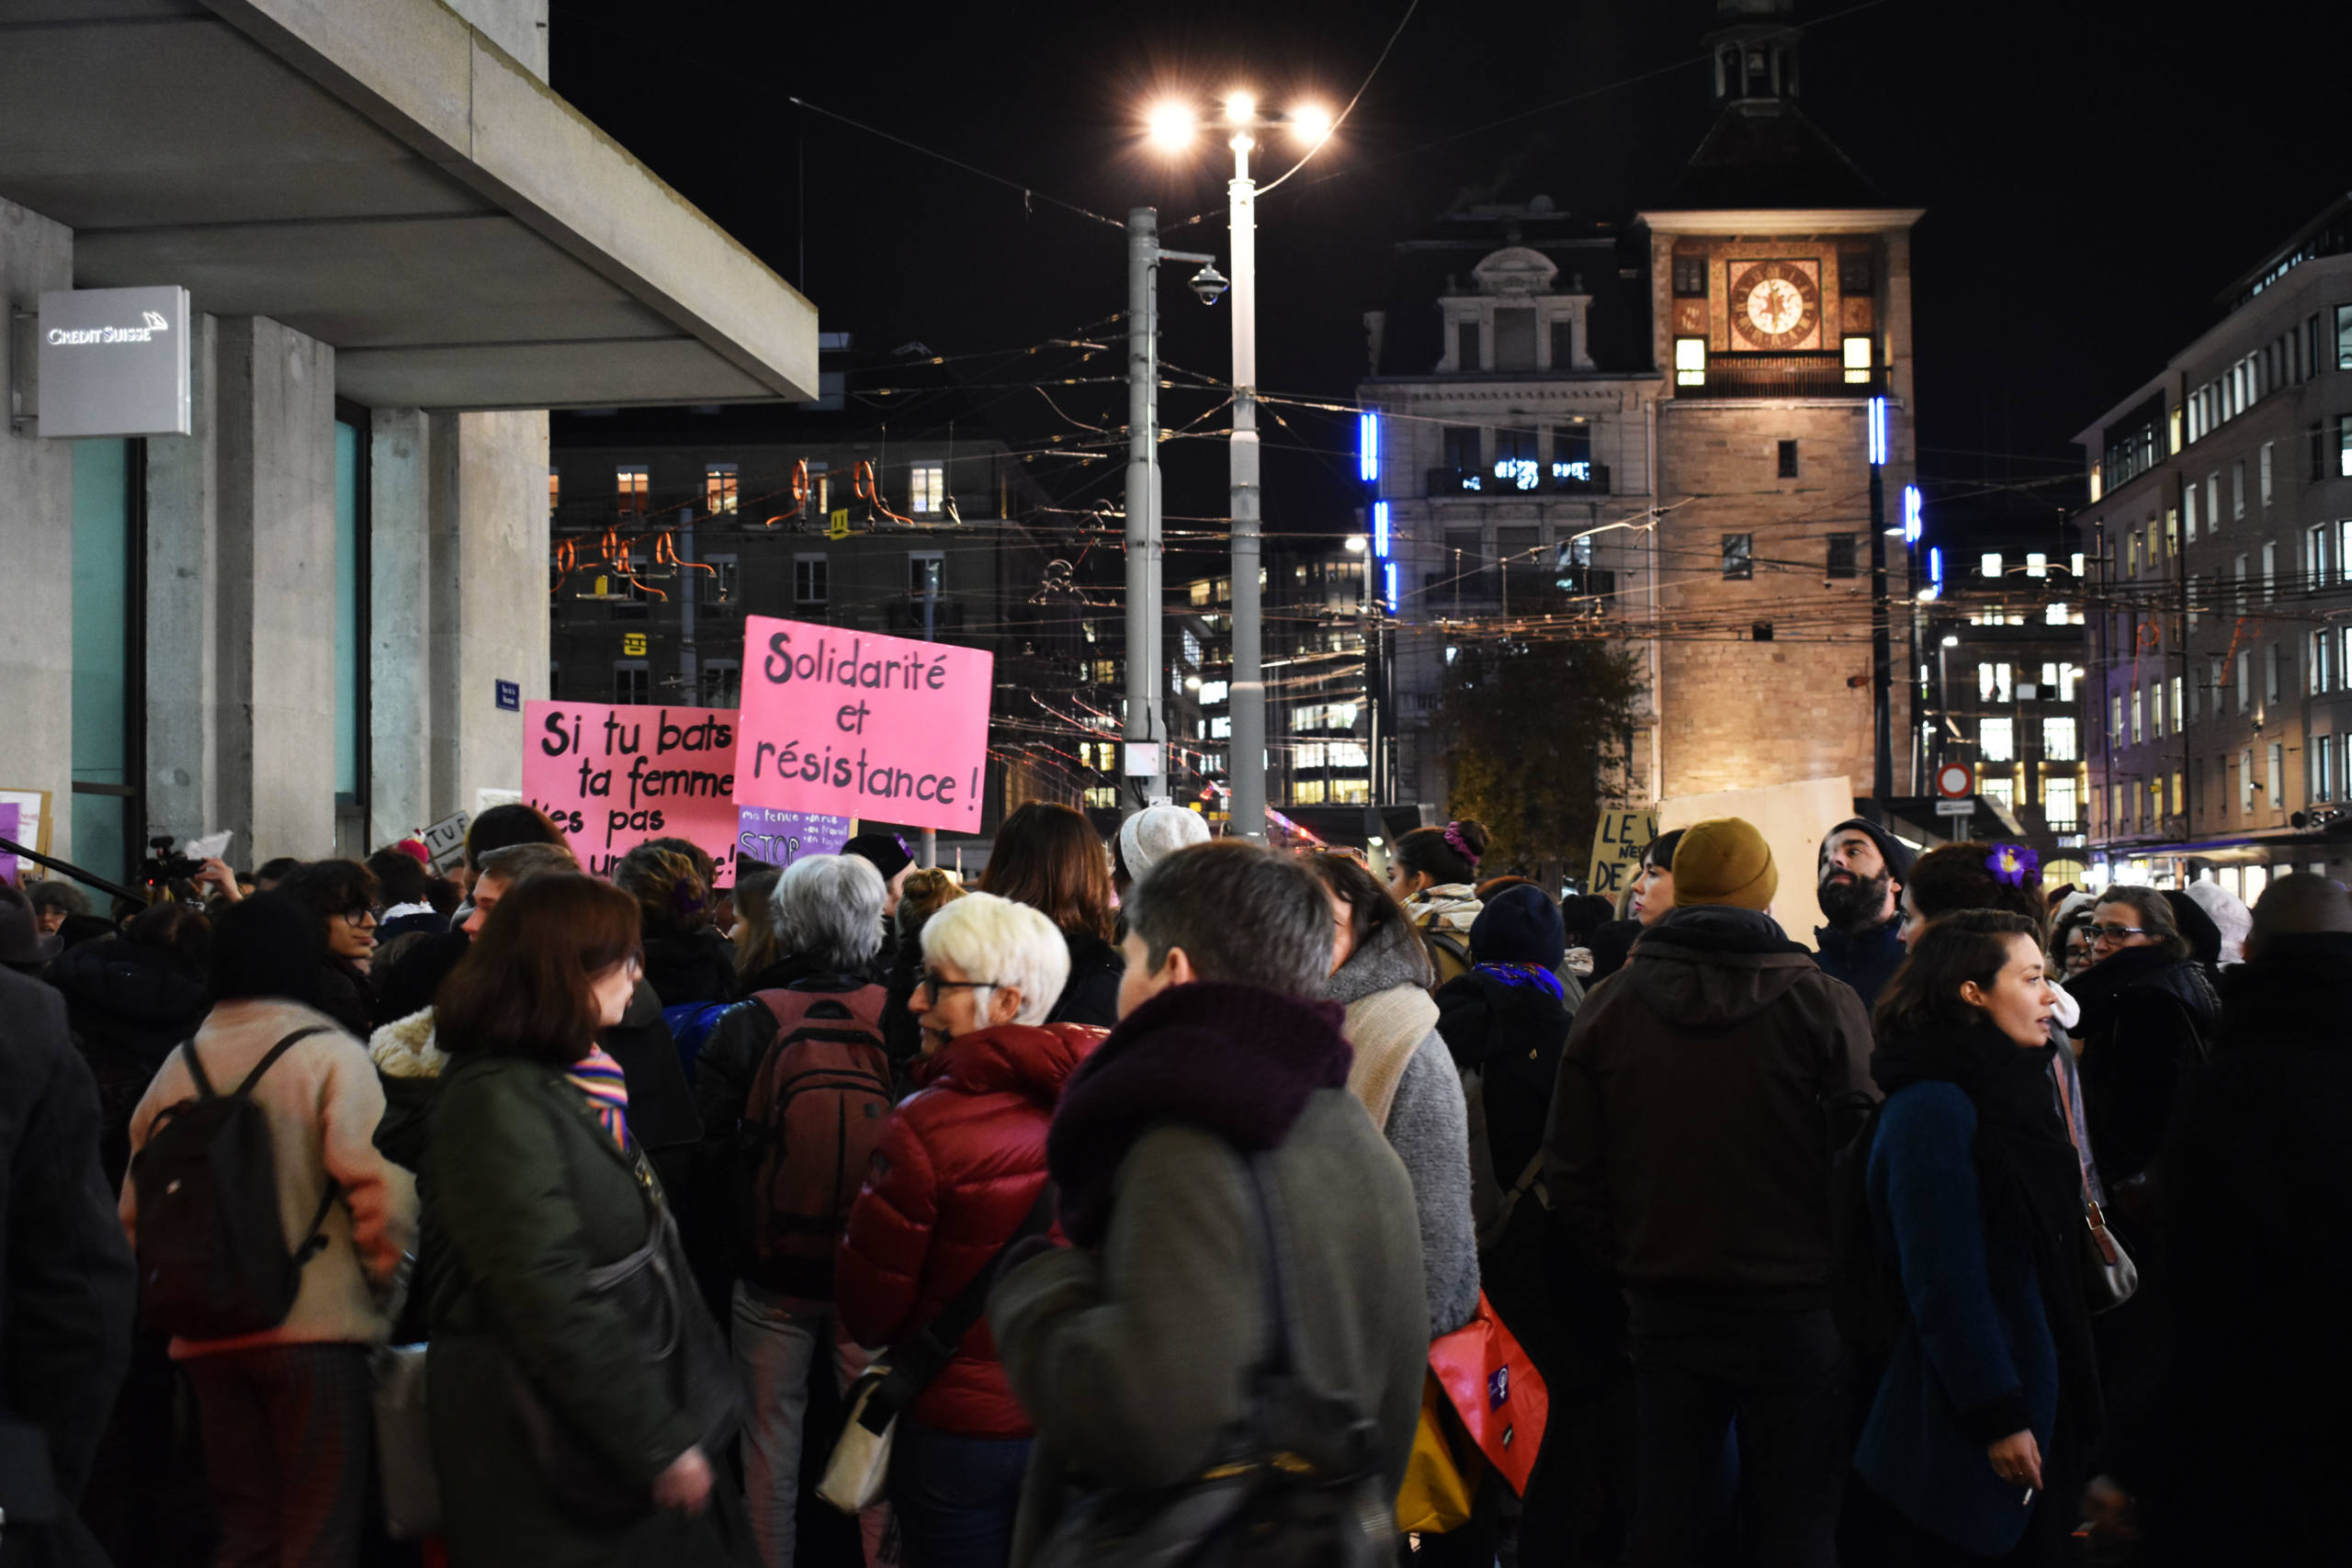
x,y
1047,857
128,1000
2247,1438
686,960
2149,1015
344,897
66,1312
1505,1021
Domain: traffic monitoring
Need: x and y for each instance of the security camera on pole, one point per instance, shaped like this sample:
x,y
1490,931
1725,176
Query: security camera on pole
x,y
1146,763
1172,126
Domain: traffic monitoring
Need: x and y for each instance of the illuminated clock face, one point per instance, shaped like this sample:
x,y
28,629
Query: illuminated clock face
x,y
1776,304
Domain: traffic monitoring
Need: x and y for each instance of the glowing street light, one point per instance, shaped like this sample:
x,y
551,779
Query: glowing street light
x,y
1311,124
1171,126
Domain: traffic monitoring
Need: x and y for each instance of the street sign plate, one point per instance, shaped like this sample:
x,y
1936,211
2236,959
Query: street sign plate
x,y
633,645
509,694
1955,808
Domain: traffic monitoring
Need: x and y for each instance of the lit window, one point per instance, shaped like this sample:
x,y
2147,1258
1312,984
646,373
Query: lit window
x,y
2000,789
2137,715
555,490
717,586
1213,692
2057,614
1221,728
927,489
2061,806
1192,648
1991,564
1996,738
2037,564
1200,592
2278,780
2001,682
1690,368
718,487
631,481
1346,754
2078,567
1858,361
1739,555
1984,682
926,572
2058,740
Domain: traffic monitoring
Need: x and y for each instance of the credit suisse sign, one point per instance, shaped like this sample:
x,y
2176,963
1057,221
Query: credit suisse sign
x,y
114,362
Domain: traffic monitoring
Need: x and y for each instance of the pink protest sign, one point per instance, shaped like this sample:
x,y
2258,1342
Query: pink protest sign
x,y
852,724
613,777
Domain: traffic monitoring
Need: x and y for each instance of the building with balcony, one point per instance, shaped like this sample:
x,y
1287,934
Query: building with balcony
x,y
2218,533
669,526
1659,429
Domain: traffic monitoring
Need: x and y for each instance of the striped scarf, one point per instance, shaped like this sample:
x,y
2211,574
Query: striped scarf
x,y
598,1077
1533,975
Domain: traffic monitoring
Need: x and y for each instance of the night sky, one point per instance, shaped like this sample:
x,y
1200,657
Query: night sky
x,y
2093,175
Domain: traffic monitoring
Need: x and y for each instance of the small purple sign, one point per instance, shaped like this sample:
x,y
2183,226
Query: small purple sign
x,y
779,838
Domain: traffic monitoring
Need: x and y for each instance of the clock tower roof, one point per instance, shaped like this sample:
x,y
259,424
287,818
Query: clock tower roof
x,y
1763,151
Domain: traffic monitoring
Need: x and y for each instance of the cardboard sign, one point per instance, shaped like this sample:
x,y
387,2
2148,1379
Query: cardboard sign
x,y
1792,818
613,776
851,724
779,838
1617,846
445,840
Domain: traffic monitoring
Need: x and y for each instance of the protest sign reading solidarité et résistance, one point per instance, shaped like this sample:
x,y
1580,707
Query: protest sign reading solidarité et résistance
x,y
853,724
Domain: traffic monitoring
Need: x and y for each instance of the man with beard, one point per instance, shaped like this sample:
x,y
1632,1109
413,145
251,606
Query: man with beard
x,y
1863,870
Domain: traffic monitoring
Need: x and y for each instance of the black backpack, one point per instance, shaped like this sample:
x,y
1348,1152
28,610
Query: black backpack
x,y
1866,1296
212,1257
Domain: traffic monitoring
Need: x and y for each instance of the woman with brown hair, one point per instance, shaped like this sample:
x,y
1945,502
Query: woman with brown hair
x,y
559,1434
1047,857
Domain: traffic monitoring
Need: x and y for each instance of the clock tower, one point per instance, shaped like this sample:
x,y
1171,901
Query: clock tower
x,y
1780,294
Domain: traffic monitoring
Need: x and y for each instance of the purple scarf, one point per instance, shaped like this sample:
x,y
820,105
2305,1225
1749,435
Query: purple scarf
x,y
1233,1060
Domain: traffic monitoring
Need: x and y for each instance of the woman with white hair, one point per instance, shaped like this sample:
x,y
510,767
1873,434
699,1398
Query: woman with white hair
x,y
826,911
960,1173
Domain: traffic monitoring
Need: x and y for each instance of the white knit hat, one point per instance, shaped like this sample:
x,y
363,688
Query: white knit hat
x,y
1157,832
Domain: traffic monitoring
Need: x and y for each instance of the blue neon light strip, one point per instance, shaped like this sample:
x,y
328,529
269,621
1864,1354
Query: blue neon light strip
x,y
1878,432
1368,447
1380,529
1910,515
1389,586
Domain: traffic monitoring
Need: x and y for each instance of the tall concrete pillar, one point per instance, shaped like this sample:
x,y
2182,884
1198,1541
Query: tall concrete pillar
x,y
488,519
184,693
241,597
399,615
36,534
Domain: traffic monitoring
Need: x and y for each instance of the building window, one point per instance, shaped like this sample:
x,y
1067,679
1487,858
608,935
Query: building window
x,y
1858,357
632,681
2237,490
2245,680
2188,509
2136,730
2269,570
1739,555
1856,273
2178,720
1515,338
809,579
2270,674
719,489
2061,805
2319,662
2268,449
2323,768
926,572
720,584
1689,277
1463,448
927,489
1690,366
2059,743
2213,503
2315,556
1841,555
2114,716
1572,452
2000,789
1996,740
1515,461
1564,343
630,484
555,490
1466,346
722,684
2343,337
2278,779
1787,469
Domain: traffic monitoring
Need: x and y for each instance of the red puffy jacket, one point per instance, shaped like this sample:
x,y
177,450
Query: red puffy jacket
x,y
959,1170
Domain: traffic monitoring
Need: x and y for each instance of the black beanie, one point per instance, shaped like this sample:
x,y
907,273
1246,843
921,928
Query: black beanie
x,y
1519,925
1890,849
883,851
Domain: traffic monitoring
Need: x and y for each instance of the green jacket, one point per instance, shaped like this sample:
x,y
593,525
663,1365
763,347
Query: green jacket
x,y
1133,1359
523,1192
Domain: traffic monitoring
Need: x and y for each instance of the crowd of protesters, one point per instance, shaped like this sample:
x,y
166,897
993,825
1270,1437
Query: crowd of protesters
x,y
1143,1193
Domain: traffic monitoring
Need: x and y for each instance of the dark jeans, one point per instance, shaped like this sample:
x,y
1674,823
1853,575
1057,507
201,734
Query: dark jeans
x,y
955,1496
1698,1364
289,1449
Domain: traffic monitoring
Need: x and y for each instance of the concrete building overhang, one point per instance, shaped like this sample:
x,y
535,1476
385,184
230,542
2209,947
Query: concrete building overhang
x,y
1776,221
384,178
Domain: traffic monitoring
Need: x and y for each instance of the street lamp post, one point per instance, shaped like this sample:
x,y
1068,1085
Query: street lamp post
x,y
1172,126
1246,767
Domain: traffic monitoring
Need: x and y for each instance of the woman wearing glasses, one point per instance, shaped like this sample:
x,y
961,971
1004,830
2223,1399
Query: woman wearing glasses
x,y
958,1177
2147,1012
344,895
